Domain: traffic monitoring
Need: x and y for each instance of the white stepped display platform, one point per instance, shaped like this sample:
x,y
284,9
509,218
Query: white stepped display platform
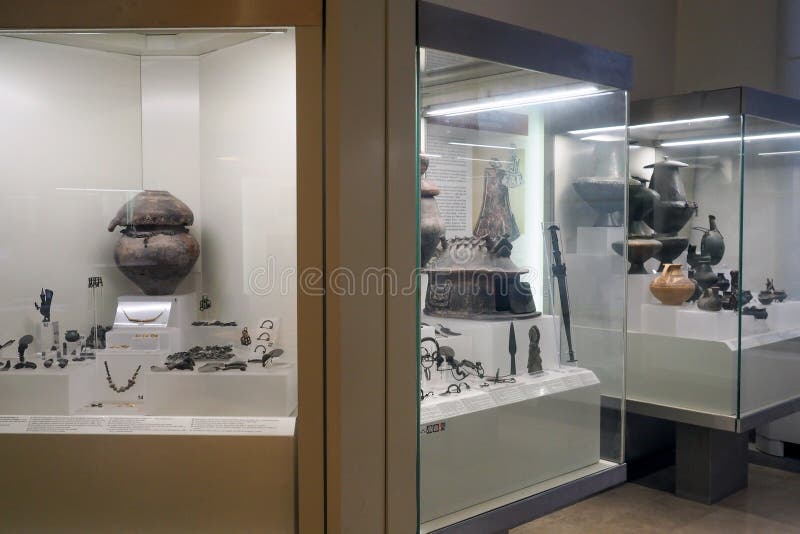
x,y
537,428
44,391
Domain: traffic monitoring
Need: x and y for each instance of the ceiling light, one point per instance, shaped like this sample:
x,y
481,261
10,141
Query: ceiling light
x,y
505,102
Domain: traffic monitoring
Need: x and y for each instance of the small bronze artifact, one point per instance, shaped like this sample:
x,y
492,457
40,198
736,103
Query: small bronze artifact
x,y
455,389
710,300
431,225
268,357
497,379
639,251
264,336
97,337
245,339
205,303
7,366
778,294
48,363
156,250
121,389
712,243
198,353
512,349
46,298
758,313
62,362
423,395
534,351
474,278
25,365
722,283
268,324
72,336
24,341
442,330
560,272
141,320
213,367
496,218
7,344
672,210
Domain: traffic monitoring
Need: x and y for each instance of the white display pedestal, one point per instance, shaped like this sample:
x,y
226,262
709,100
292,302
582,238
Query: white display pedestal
x,y
256,392
44,391
122,365
537,429
487,341
151,323
47,336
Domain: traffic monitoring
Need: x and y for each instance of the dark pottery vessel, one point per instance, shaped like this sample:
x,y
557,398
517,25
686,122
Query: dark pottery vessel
x,y
704,275
606,196
692,256
722,282
156,250
672,211
710,300
72,336
641,200
671,248
765,298
758,313
729,301
431,226
496,218
778,294
712,243
747,297
639,251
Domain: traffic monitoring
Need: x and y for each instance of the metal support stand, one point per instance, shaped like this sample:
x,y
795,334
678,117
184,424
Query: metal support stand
x,y
710,464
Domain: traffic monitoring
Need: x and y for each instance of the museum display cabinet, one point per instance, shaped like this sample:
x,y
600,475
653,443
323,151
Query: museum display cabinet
x,y
152,188
522,299
713,318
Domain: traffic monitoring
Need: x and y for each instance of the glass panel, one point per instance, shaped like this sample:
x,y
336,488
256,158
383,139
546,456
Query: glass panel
x,y
685,213
771,244
152,202
516,386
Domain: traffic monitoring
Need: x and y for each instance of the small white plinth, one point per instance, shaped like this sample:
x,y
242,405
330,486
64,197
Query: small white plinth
x,y
639,294
44,391
144,339
490,341
783,315
122,365
661,319
256,392
693,322
596,241
47,336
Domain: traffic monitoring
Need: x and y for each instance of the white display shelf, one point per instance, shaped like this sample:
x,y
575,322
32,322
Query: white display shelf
x,y
44,391
525,387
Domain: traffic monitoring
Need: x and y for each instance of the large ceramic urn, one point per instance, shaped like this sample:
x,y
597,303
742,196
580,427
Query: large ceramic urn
x,y
431,226
672,210
156,250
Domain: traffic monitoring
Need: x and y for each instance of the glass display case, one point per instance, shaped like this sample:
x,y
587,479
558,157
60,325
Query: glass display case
x,y
150,255
713,317
523,296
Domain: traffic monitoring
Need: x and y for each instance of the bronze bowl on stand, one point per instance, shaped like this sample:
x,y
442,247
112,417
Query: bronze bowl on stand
x,y
639,251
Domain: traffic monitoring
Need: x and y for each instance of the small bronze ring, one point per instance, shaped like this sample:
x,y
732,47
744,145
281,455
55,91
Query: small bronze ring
x,y
263,347
271,324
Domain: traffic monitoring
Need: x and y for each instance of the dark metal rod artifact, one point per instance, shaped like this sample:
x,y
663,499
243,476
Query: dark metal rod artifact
x,y
560,272
512,348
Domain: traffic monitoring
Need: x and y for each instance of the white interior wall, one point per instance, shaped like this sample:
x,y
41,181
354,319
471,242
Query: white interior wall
x,y
248,173
70,156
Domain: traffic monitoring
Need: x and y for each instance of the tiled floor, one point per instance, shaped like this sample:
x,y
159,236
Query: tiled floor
x,y
771,504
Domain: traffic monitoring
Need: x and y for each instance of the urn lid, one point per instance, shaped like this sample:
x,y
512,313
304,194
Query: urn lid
x,y
153,208
667,163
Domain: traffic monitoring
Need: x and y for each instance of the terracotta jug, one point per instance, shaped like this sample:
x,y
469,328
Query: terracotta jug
x,y
672,287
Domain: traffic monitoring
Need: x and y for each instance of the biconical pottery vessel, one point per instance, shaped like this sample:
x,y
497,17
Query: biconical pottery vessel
x,y
672,287
712,244
606,196
431,226
671,248
698,291
156,250
672,211
639,251
765,297
641,200
710,300
704,274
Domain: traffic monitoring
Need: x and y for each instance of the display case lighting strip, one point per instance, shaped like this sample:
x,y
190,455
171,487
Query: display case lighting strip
x,y
497,103
691,142
782,153
96,190
482,146
650,124
481,159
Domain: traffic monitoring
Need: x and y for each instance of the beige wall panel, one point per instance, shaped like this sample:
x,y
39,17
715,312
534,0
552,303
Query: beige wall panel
x,y
147,484
401,251
158,13
723,44
355,242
